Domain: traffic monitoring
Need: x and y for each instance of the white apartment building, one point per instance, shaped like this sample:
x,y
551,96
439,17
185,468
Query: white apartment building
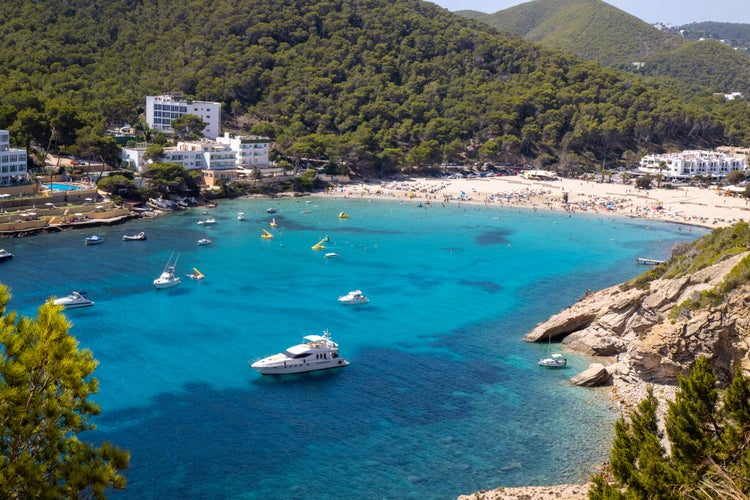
x,y
688,164
13,162
161,110
251,150
229,154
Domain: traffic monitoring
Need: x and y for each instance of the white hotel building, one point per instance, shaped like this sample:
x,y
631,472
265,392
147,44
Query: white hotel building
x,y
219,159
251,150
688,164
13,162
161,110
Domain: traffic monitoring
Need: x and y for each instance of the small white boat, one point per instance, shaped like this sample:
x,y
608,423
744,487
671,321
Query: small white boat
x,y
135,237
4,254
204,241
240,215
330,255
207,222
354,297
271,210
554,361
167,278
94,240
75,299
316,352
196,275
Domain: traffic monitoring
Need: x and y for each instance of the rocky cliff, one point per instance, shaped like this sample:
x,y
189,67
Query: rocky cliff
x,y
649,334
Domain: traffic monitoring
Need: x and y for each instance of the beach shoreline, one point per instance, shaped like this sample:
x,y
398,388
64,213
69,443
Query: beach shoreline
x,y
691,205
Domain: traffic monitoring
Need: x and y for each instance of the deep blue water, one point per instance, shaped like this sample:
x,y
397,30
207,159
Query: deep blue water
x,y
442,396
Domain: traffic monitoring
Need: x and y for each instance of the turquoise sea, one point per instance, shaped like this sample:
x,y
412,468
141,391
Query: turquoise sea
x,y
442,396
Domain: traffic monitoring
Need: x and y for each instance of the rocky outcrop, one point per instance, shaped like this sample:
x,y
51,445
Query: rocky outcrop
x,y
595,375
634,326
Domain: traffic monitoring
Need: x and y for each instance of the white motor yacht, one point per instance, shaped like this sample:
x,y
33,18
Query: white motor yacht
x,y
4,254
75,299
316,352
354,297
167,278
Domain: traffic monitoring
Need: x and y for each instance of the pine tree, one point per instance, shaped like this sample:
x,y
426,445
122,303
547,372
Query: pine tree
x,y
709,443
45,382
638,460
735,453
691,421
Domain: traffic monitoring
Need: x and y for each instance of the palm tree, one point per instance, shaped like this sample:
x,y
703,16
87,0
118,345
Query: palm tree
x,y
662,164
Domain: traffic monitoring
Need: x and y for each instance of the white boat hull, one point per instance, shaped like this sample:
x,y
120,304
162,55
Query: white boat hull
x,y
136,237
166,283
75,305
286,367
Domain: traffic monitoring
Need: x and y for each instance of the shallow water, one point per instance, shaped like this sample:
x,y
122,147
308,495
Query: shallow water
x,y
442,396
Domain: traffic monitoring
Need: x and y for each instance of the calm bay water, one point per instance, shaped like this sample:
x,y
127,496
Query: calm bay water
x,y
442,396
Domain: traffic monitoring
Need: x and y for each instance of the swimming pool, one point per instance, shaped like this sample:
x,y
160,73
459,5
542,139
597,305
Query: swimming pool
x,y
56,186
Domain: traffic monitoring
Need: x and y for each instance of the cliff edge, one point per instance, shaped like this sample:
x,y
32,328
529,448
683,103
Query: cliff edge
x,y
652,333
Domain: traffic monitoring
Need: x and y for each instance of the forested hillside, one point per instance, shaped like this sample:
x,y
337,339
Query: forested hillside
x,y
593,29
686,63
376,83
736,35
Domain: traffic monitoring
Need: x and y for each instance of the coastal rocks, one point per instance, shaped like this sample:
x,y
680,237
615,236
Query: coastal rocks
x,y
594,376
653,333
566,491
561,324
608,309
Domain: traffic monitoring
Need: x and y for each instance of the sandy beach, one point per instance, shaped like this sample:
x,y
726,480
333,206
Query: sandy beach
x,y
706,207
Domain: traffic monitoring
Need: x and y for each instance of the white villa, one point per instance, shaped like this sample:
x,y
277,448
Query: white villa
x,y
219,159
688,164
13,162
161,110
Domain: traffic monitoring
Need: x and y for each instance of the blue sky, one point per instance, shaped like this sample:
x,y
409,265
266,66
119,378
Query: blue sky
x,y
675,12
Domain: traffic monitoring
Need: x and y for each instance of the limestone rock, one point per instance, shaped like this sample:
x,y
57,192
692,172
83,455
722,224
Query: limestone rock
x,y
593,376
